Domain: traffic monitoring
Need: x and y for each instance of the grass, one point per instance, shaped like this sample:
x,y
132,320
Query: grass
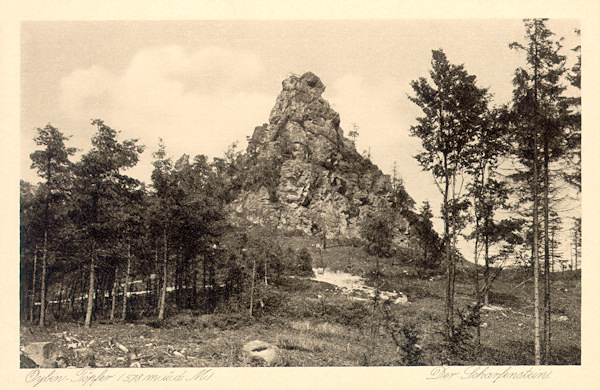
x,y
313,324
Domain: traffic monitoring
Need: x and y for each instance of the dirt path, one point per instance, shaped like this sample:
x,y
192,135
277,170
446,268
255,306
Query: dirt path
x,y
355,286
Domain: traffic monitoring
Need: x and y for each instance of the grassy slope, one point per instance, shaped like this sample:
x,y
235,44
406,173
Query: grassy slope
x,y
315,325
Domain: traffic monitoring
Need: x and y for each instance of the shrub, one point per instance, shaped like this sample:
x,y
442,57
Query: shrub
x,y
378,230
406,337
298,263
304,263
459,344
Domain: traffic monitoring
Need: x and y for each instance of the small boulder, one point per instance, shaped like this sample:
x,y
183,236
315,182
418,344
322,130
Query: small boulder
x,y
260,352
44,353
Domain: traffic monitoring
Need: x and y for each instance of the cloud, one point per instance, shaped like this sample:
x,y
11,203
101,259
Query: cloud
x,y
198,102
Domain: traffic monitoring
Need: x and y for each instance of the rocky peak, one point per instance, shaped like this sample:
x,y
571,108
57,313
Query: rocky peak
x,y
304,173
301,122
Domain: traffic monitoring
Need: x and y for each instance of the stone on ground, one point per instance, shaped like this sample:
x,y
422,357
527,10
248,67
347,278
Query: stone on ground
x,y
43,353
261,352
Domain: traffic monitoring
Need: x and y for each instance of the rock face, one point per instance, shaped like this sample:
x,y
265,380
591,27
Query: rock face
x,y
305,174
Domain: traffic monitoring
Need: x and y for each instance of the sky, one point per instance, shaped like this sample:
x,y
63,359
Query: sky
x,y
202,85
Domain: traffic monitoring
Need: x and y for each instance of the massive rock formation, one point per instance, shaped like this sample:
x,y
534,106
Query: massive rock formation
x,y
303,174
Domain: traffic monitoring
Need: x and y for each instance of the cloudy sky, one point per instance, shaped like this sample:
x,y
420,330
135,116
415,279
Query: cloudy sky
x,y
201,85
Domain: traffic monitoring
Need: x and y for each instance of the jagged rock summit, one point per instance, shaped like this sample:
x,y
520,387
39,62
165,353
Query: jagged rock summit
x,y
303,174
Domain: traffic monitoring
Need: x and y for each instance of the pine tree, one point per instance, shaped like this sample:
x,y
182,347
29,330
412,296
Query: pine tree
x,y
572,172
100,188
53,166
162,205
540,121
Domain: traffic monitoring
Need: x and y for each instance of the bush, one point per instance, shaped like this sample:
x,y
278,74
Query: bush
x,y
410,346
298,263
378,231
304,263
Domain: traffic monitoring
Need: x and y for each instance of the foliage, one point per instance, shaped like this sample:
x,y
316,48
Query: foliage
x,y
454,108
401,200
541,119
460,342
377,229
303,265
407,338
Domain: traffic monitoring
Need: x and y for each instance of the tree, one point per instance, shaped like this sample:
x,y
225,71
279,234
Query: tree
x,y
53,166
162,211
453,108
353,133
31,207
572,173
428,249
199,223
378,230
487,192
541,116
576,241
100,188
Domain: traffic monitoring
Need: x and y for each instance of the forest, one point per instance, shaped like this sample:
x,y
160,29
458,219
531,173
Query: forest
x,y
101,250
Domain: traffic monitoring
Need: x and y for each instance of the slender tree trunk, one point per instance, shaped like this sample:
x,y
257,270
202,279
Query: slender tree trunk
x,y
266,283
476,258
60,295
536,263
156,284
126,289
252,284
82,301
163,294
43,287
97,296
576,247
454,237
212,282
179,279
477,201
374,326
33,285
70,299
205,300
547,324
114,295
449,298
92,289
148,291
486,242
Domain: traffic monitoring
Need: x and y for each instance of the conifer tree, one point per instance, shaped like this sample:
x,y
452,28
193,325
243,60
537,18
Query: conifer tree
x,y
53,166
539,117
100,187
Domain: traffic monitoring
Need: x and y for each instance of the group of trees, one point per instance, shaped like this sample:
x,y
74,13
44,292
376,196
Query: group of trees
x,y
90,234
88,231
467,145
